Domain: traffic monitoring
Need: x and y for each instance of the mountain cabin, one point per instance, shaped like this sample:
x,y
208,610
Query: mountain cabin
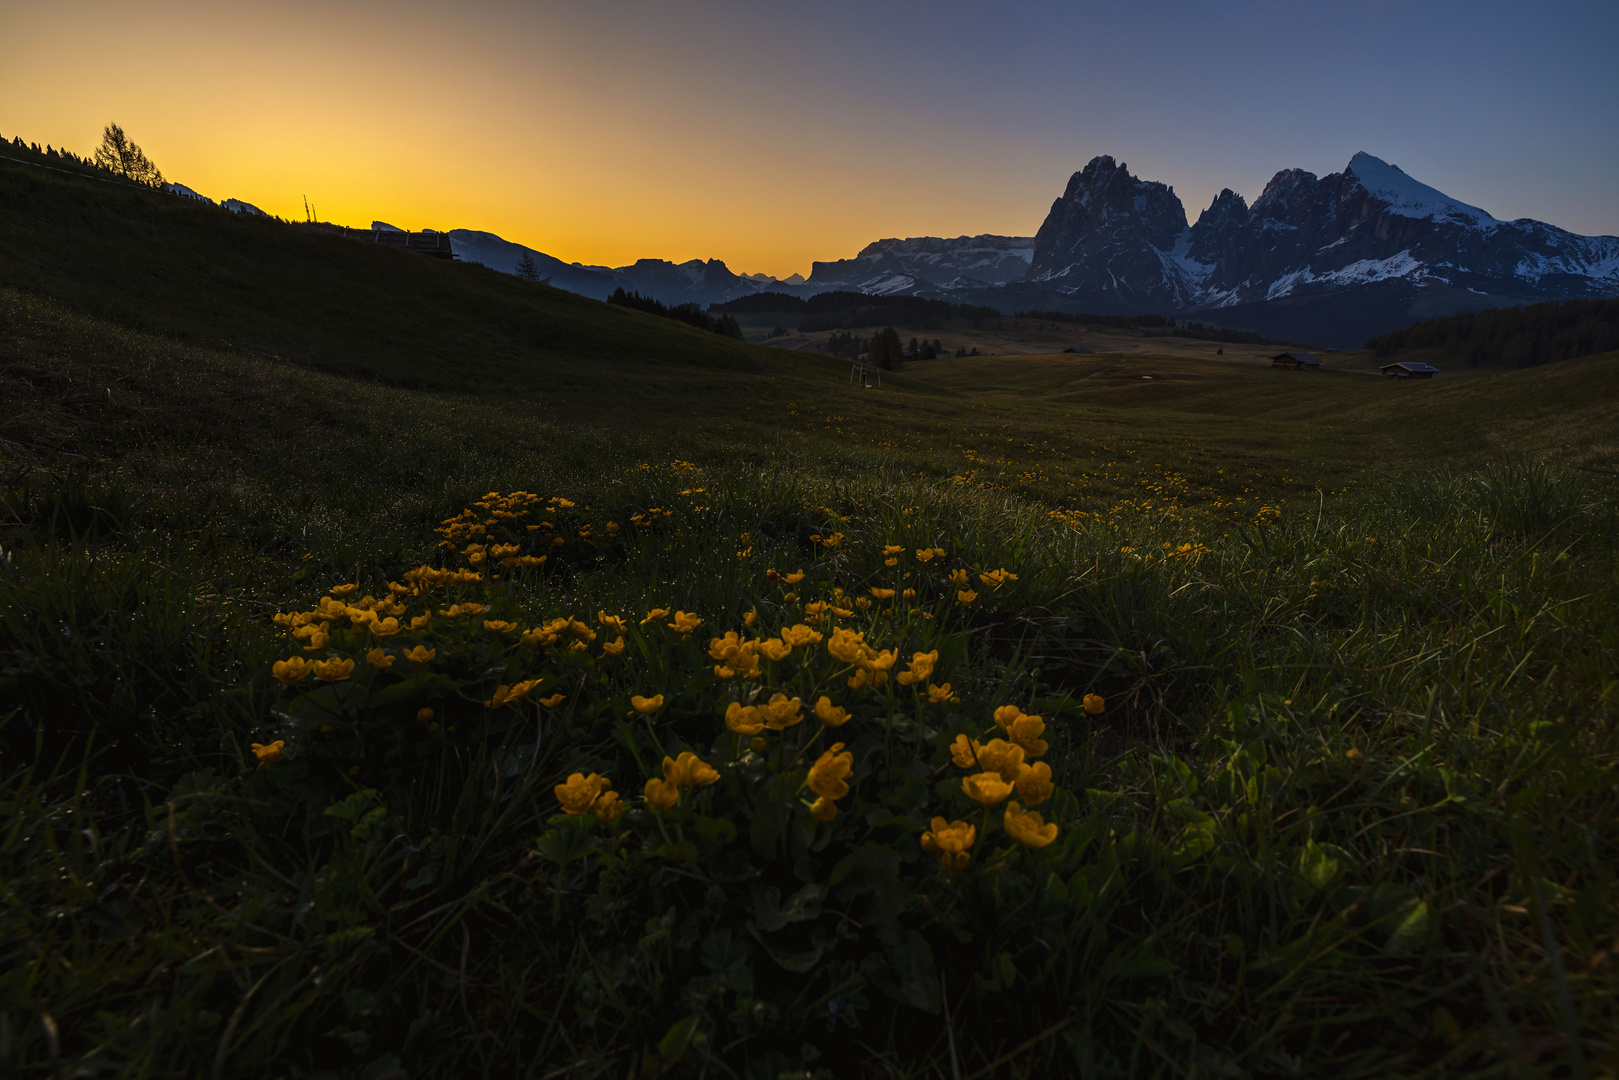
x,y
1409,369
1297,361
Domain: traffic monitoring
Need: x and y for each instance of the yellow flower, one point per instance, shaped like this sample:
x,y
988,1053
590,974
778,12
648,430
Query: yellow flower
x,y
940,694
333,670
826,776
893,549
751,617
774,648
612,622
882,594
994,579
735,654
1034,783
964,751
823,809
890,562
655,614
782,712
384,627
379,658
1026,731
800,635
317,640
862,603
509,695
986,788
794,578
1094,704
1027,827
958,578
952,841
424,715
966,596
290,671
661,794
1000,756
846,645
814,611
1005,715
646,706
830,714
921,668
343,590
685,622
1355,754
580,792
688,770
608,807
553,701
614,648
499,626
925,554
743,719
268,753
909,594
420,621
421,654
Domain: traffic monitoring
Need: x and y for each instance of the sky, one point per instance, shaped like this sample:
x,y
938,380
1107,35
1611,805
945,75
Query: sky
x,y
770,135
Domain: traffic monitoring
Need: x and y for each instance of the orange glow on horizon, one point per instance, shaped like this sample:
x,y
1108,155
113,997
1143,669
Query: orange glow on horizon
x,y
415,120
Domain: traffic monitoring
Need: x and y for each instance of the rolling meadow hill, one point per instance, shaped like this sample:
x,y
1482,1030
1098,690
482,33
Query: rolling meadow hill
x,y
410,671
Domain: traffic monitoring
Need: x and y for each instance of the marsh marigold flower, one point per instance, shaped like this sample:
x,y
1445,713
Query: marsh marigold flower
x,y
1026,731
685,622
1027,827
317,639
612,622
986,788
646,706
499,626
966,596
781,712
614,648
384,628
893,549
774,649
793,578
827,775
952,841
580,792
421,654
553,701
801,635
751,617
882,594
655,614
510,695
343,590
823,809
290,671
689,770
1034,784
938,695
921,668
379,658
830,714
1000,756
661,794
333,670
607,807
1094,704
743,719
994,579
964,751
268,753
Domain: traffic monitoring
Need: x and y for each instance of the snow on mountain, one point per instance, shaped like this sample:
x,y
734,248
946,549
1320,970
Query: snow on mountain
x,y
1411,198
926,260
185,192
237,206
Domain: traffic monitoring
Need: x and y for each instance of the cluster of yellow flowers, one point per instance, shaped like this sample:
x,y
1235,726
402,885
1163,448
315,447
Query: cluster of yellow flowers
x,y
1006,767
687,770
591,794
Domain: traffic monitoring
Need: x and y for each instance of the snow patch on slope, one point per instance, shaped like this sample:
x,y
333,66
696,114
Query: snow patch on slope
x,y
1412,198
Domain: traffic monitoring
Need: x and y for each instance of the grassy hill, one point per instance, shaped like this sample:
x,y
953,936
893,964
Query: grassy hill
x,y
1321,666
199,275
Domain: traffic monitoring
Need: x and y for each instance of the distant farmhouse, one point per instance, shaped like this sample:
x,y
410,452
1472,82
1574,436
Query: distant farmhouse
x,y
1409,369
1298,361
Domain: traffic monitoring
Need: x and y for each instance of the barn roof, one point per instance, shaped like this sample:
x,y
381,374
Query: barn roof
x,y
1410,365
1300,357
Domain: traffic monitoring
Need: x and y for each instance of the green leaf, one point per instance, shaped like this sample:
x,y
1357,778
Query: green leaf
x,y
1317,867
770,914
1411,931
352,807
563,845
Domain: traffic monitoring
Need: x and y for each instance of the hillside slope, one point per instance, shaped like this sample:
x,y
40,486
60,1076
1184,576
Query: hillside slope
x,y
199,275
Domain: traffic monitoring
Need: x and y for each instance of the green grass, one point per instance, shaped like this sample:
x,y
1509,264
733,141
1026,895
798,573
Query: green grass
x,y
1423,574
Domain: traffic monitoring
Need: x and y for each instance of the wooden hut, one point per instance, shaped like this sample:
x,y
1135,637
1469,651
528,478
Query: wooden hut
x,y
1409,369
1297,361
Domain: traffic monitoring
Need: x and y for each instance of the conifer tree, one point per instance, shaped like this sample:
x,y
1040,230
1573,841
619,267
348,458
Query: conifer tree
x,y
526,268
119,154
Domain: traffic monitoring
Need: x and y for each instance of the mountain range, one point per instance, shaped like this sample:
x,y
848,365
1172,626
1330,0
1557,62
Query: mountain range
x,y
1330,260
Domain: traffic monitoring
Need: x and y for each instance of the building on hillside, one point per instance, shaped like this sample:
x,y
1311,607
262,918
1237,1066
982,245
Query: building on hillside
x,y
1297,361
1409,369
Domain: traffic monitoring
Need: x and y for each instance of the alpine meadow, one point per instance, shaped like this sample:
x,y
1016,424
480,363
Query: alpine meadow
x,y
410,669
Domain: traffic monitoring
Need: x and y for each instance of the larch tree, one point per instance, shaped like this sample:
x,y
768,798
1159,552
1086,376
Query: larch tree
x,y
118,154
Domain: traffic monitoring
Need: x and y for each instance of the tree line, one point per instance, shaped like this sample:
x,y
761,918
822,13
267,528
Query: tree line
x,y
1166,323
1514,336
690,314
842,309
118,155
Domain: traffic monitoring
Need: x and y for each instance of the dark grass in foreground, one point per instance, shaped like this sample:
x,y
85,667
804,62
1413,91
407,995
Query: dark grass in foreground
x,y
1234,893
